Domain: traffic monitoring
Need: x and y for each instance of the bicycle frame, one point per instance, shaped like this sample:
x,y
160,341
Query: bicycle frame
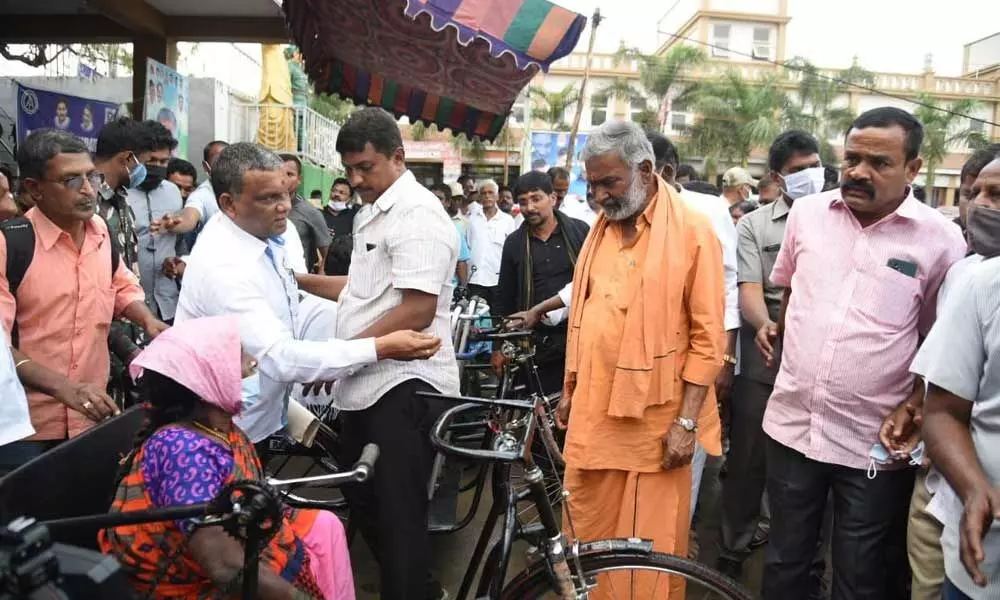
x,y
505,499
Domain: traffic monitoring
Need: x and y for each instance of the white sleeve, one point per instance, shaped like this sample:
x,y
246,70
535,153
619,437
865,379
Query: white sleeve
x,y
726,231
295,254
566,294
279,355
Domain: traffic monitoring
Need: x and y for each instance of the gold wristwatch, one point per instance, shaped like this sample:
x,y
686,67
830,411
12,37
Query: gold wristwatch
x,y
729,359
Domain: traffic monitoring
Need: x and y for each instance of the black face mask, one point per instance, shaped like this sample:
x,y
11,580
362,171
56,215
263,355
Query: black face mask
x,y
155,174
983,225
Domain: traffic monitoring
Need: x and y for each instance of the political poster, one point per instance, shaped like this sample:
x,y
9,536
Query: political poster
x,y
550,148
167,101
44,109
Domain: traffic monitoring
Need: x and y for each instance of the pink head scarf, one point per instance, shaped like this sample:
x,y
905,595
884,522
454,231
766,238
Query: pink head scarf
x,y
204,355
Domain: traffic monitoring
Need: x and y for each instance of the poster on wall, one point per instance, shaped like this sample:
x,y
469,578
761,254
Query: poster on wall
x,y
44,109
167,101
550,148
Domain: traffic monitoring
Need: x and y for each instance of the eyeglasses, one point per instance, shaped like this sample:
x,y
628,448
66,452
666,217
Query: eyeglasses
x,y
75,183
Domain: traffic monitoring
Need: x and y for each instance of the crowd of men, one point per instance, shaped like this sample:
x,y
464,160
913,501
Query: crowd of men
x,y
788,323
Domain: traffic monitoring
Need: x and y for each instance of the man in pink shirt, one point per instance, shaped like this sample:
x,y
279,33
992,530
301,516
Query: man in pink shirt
x,y
62,308
861,267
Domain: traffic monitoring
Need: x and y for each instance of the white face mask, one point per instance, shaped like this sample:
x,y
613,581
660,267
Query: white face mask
x,y
805,182
338,206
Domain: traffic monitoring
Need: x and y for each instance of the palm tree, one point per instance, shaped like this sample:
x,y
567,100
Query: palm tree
x,y
618,88
552,105
658,74
812,110
943,130
735,116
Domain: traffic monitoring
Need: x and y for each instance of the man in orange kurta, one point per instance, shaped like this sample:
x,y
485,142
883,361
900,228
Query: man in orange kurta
x,y
646,340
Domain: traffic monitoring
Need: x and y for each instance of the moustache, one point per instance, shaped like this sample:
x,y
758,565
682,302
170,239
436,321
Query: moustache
x,y
858,186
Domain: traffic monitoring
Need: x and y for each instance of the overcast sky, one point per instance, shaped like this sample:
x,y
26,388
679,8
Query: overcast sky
x,y
887,35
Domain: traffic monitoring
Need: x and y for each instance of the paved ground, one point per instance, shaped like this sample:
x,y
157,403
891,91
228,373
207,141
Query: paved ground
x,y
452,552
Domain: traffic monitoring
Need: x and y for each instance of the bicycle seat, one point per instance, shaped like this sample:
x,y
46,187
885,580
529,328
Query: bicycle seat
x,y
76,478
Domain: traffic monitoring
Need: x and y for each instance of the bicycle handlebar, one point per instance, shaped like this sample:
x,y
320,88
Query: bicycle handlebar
x,y
359,473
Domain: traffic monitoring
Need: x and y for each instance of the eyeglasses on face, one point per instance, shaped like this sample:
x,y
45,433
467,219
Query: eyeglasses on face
x,y
75,182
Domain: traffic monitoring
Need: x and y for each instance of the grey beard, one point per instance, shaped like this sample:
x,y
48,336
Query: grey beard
x,y
630,203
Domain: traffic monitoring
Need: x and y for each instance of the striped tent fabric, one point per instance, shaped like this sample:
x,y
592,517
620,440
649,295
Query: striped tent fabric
x,y
457,64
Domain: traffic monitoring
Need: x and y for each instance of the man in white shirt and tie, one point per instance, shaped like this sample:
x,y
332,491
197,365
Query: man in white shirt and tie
x,y
240,267
405,250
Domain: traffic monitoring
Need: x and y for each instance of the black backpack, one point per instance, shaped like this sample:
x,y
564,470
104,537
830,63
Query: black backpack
x,y
20,236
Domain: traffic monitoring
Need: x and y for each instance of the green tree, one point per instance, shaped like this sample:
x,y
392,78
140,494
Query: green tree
x,y
619,88
622,89
551,106
945,128
473,147
735,116
659,74
331,106
419,131
115,57
648,119
812,108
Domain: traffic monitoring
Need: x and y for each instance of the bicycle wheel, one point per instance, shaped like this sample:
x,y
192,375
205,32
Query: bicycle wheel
x,y
701,581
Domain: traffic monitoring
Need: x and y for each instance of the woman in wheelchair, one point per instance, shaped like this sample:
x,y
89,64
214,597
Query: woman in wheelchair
x,y
187,453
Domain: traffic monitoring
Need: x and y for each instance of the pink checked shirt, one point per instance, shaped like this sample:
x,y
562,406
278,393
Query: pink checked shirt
x,y
853,324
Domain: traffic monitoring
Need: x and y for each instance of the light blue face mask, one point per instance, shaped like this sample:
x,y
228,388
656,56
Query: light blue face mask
x,y
136,174
879,455
250,391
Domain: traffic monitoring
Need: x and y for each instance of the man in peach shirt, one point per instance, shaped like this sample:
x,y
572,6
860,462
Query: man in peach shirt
x,y
62,310
646,341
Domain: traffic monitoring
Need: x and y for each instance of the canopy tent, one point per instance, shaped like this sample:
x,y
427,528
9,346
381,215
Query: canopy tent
x,y
458,64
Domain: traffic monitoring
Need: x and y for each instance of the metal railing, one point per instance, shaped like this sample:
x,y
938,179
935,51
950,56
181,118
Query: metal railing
x,y
292,129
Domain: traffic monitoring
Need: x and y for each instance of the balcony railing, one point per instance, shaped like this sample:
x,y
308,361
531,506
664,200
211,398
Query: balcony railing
x,y
296,130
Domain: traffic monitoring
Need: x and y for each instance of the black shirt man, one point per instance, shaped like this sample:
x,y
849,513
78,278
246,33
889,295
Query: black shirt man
x,y
537,261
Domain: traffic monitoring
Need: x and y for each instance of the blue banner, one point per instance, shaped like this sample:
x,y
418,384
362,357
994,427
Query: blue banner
x,y
549,149
42,109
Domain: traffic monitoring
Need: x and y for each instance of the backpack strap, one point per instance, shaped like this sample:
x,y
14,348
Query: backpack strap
x,y
20,237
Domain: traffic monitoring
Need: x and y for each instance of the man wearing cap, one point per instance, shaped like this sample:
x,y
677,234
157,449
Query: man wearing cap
x,y
737,185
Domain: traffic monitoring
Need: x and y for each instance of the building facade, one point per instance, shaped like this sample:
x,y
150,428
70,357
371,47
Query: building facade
x,y
750,37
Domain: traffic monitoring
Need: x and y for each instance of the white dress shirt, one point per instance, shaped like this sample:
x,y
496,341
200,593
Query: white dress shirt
x,y
577,207
405,241
294,254
15,421
717,211
486,238
231,272
203,200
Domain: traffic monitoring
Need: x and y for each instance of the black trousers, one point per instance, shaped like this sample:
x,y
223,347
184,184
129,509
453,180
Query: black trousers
x,y
390,510
869,528
743,486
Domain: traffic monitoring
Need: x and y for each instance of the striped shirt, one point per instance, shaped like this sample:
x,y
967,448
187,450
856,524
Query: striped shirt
x,y
853,322
405,241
